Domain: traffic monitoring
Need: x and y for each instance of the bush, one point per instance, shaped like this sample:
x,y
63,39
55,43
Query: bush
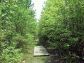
x,y
11,55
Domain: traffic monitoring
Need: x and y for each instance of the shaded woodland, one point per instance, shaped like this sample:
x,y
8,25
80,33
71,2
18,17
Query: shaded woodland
x,y
61,28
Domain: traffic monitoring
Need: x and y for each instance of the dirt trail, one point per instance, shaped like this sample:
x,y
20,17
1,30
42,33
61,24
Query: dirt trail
x,y
30,58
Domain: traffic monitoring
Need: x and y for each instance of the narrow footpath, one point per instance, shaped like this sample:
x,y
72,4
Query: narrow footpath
x,y
30,58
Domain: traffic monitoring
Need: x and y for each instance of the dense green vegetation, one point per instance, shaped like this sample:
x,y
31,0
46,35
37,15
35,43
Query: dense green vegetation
x,y
17,29
62,27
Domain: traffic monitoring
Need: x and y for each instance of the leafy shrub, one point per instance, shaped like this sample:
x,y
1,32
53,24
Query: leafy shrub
x,y
11,55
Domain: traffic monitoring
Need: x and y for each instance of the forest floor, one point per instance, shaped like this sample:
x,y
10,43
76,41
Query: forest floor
x,y
30,58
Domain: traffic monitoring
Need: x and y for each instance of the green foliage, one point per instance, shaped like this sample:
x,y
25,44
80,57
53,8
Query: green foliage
x,y
16,22
51,24
62,25
62,22
11,55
